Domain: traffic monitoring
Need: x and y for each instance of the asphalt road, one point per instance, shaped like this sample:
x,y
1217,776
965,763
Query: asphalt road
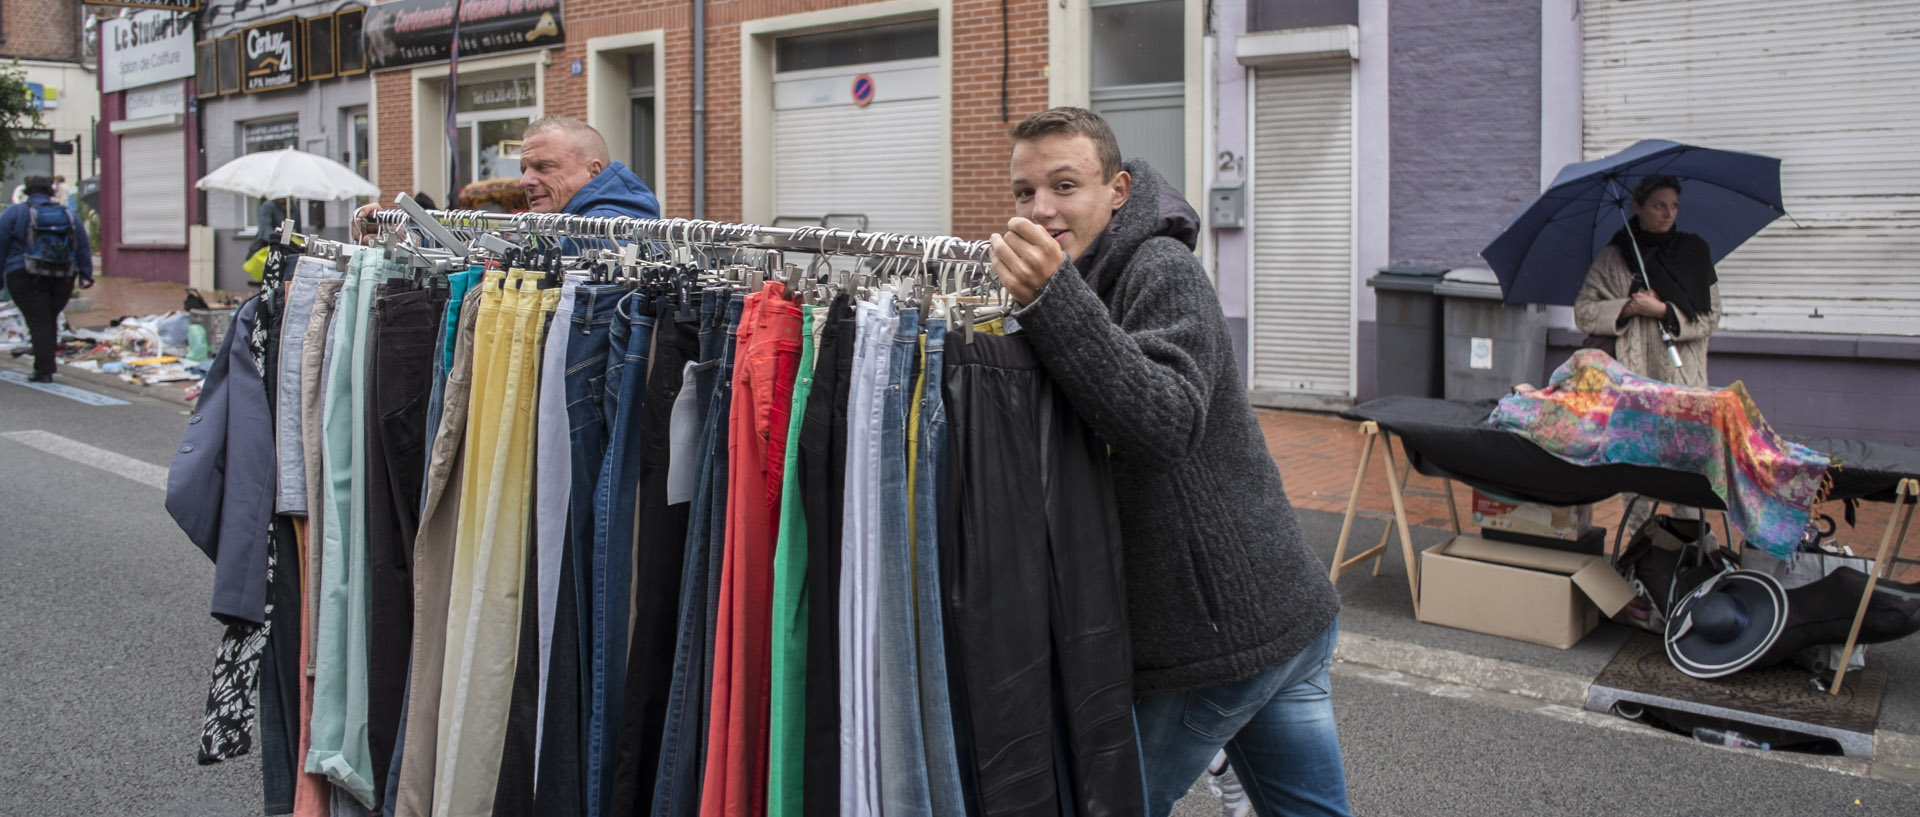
x,y
105,646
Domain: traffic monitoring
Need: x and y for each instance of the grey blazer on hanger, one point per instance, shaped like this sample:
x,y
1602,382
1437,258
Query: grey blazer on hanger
x,y
220,488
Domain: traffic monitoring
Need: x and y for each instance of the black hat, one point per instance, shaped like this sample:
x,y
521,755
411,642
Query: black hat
x,y
1726,624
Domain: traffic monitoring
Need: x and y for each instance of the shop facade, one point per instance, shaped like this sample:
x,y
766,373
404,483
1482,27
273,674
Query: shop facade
x,y
280,76
149,155
889,114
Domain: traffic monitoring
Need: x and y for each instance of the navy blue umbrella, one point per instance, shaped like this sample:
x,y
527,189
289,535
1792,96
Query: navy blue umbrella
x,y
1542,254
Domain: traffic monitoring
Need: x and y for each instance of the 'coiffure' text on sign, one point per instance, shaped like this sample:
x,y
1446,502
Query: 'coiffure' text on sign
x,y
145,48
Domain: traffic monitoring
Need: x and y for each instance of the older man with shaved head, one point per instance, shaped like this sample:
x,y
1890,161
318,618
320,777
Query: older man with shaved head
x,y
565,167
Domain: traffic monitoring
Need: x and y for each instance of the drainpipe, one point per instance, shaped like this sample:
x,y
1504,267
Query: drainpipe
x,y
699,109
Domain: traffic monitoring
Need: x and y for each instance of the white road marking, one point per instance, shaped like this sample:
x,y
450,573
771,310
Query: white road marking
x,y
140,471
73,393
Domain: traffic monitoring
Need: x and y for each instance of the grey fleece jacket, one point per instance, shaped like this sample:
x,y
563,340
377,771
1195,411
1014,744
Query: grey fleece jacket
x,y
1220,584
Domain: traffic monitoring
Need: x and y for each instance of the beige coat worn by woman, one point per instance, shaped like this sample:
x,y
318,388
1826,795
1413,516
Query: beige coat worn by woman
x,y
1639,348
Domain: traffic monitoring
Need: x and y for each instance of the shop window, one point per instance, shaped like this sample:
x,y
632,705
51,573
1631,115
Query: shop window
x,y
641,112
320,47
352,45
490,118
358,155
229,69
1139,73
258,137
206,69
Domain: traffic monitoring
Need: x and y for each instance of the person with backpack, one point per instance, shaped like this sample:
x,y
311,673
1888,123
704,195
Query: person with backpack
x,y
43,249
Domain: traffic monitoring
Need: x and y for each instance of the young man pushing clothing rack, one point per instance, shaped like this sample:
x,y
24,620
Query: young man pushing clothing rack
x,y
1233,619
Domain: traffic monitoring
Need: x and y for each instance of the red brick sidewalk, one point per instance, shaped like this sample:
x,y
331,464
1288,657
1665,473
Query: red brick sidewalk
x,y
115,297
1318,454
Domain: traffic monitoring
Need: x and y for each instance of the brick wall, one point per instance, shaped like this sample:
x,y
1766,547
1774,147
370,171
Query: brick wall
x,y
981,202
393,139
40,30
982,199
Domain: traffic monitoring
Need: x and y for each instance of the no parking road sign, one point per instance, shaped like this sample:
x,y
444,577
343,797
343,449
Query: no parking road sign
x,y
863,90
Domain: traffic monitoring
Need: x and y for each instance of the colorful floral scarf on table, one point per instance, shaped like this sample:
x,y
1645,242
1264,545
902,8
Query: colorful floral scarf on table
x,y
1595,412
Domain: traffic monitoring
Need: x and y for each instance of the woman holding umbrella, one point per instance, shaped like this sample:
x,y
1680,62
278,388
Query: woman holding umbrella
x,y
1651,288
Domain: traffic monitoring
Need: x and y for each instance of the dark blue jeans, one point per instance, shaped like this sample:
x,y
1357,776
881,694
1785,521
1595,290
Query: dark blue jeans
x,y
563,768
613,520
676,789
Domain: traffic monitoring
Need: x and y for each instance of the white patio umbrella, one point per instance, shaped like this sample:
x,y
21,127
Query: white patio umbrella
x,y
288,173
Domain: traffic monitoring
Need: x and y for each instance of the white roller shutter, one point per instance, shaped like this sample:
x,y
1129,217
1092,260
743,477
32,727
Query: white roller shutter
x,y
153,187
1302,321
883,161
1831,88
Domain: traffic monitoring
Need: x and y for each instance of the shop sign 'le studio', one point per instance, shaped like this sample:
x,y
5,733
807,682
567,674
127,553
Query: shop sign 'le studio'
x,y
408,32
145,48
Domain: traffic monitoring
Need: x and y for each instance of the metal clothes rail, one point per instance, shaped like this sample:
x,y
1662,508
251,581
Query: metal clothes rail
x,y
441,226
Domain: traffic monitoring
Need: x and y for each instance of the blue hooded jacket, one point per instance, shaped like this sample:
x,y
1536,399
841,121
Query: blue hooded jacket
x,y
14,240
615,192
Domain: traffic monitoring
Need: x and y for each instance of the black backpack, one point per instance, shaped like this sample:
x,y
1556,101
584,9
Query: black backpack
x,y
50,241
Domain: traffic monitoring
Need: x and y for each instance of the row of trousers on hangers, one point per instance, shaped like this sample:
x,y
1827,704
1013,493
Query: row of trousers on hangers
x,y
546,546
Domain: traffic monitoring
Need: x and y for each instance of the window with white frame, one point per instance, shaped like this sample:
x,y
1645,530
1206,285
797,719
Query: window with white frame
x,y
1139,79
490,117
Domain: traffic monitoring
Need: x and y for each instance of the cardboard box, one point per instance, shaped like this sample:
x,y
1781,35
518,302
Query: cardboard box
x,y
1545,596
1498,512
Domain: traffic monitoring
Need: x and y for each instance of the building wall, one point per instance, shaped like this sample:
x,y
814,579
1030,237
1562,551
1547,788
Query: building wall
x,y
1465,97
40,30
320,108
981,203
318,105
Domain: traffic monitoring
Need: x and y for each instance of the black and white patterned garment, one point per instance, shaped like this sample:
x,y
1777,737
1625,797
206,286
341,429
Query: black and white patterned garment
x,y
233,694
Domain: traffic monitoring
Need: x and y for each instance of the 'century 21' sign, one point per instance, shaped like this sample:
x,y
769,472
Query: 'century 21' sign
x,y
269,46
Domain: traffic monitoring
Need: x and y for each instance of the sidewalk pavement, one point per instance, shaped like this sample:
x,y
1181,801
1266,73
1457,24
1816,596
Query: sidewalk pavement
x,y
114,297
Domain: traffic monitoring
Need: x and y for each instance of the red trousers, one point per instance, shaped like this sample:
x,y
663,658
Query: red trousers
x,y
768,360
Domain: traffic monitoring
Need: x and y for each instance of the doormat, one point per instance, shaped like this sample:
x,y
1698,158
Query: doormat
x,y
1783,697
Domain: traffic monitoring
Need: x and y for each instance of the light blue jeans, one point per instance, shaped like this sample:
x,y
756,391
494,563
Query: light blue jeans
x,y
1277,728
904,787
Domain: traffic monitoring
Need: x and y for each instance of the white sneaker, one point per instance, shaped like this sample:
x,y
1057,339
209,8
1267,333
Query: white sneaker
x,y
1226,785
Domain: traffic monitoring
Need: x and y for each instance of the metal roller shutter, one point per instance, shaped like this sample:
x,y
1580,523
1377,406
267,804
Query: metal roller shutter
x,y
1828,87
1302,281
882,160
153,185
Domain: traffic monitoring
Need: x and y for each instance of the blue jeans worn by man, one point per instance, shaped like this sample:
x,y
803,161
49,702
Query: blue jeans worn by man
x,y
1277,728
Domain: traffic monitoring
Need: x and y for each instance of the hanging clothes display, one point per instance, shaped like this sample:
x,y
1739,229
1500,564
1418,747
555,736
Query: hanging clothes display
x,y
615,517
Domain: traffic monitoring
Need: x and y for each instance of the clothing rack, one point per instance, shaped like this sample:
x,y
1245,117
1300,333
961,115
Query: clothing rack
x,y
441,226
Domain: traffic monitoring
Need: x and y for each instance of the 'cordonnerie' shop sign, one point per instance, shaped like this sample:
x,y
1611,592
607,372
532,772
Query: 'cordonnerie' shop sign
x,y
267,56
145,48
407,32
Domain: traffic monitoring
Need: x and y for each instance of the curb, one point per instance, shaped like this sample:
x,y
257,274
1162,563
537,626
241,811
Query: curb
x,y
1896,756
101,381
1463,669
